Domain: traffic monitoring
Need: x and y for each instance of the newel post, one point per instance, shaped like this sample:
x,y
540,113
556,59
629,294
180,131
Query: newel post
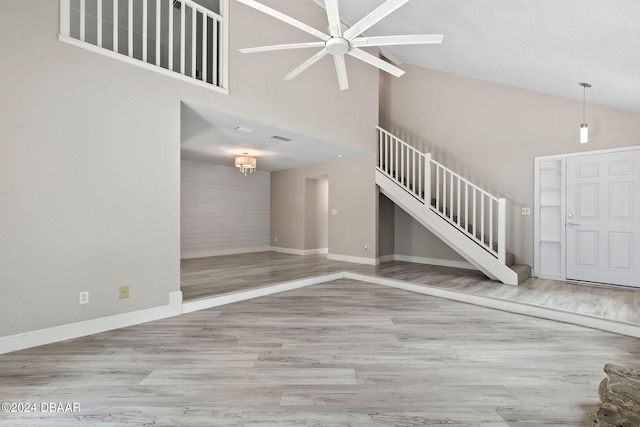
x,y
502,226
65,17
224,45
427,179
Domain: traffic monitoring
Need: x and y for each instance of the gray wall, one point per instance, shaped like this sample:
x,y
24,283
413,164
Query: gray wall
x,y
491,133
412,239
317,213
386,226
352,192
90,158
221,209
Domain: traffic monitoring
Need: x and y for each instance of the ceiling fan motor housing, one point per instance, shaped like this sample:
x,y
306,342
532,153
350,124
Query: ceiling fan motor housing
x,y
337,46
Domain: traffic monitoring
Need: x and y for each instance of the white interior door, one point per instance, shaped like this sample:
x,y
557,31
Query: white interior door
x,y
603,218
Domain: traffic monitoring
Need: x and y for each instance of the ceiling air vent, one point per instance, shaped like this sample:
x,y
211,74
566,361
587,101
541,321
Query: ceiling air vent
x,y
280,138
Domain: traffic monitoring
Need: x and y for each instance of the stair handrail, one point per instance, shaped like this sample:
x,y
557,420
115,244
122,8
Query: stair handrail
x,y
456,199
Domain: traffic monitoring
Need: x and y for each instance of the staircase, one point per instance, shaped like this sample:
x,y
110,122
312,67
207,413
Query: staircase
x,y
464,216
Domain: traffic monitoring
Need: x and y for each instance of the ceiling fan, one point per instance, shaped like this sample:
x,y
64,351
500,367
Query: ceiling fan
x,y
339,43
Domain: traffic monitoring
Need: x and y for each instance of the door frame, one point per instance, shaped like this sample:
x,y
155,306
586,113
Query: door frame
x,y
549,252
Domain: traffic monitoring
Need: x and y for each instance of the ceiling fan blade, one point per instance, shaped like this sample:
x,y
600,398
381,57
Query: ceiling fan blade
x,y
372,18
396,40
341,70
285,18
281,47
306,64
375,61
333,15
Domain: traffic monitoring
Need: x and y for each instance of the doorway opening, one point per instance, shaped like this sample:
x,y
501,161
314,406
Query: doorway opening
x,y
316,235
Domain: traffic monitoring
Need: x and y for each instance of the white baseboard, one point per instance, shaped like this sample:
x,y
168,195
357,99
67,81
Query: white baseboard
x,y
176,307
434,261
353,259
175,301
189,307
219,252
386,258
302,252
90,327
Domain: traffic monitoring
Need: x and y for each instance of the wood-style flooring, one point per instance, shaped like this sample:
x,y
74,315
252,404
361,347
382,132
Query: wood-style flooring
x,y
342,353
214,276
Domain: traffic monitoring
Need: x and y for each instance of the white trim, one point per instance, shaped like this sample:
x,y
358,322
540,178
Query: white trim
x,y
75,330
591,152
189,307
88,327
175,301
353,259
65,17
302,252
435,261
224,47
563,189
218,252
139,63
386,258
433,221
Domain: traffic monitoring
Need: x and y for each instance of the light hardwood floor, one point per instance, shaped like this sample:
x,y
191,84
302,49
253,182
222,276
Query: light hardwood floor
x,y
343,353
214,276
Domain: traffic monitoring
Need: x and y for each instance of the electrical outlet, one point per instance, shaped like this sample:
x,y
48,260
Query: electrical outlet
x,y
334,211
84,297
275,239
124,292
526,211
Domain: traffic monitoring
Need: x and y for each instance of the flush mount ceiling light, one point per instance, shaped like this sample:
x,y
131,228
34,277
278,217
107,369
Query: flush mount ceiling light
x,y
246,164
584,129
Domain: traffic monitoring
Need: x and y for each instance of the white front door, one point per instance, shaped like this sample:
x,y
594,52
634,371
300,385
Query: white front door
x,y
603,218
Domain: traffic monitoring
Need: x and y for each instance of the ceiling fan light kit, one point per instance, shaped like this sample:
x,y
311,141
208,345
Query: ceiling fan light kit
x,y
338,43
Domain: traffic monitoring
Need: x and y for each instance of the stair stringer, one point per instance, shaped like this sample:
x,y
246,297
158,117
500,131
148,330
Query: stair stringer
x,y
467,248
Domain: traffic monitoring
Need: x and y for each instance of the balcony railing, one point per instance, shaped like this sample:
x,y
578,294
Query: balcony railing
x,y
180,38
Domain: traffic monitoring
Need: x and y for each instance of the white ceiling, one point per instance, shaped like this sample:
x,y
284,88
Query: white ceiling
x,y
548,46
210,136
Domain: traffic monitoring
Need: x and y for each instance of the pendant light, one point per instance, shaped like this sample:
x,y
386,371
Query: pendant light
x,y
584,129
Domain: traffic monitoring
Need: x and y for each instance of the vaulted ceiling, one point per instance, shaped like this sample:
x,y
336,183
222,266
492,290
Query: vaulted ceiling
x,y
547,46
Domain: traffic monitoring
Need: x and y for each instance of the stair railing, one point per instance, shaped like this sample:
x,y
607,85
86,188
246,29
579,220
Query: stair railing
x,y
176,37
472,210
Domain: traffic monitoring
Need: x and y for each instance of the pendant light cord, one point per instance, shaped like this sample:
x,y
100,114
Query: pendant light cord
x,y
584,95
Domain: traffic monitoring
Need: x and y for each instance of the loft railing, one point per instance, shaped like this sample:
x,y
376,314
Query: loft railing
x,y
180,38
472,210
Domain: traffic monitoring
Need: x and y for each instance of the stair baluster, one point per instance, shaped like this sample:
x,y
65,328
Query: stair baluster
x,y
417,177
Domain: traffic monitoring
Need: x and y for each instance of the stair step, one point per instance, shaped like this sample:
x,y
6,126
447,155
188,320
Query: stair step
x,y
523,271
